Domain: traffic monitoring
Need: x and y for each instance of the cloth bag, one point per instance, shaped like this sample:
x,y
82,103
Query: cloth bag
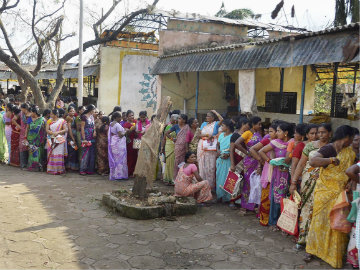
x,y
209,145
255,188
288,220
339,213
136,143
232,183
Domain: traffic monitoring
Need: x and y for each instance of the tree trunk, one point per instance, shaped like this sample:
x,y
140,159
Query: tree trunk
x,y
354,9
149,151
340,13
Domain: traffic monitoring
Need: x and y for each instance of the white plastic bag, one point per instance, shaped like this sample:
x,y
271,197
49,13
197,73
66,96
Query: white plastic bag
x,y
255,188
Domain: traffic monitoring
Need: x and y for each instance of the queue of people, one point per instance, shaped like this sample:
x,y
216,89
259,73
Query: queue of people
x,y
312,160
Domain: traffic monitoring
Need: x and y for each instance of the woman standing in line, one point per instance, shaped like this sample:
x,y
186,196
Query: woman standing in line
x,y
168,149
81,110
15,137
249,138
132,154
117,149
4,155
279,181
72,161
141,124
102,160
207,159
36,135
23,148
223,162
309,176
88,135
193,135
8,130
334,159
56,143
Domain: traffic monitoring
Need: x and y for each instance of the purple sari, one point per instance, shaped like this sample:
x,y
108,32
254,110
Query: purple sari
x,y
250,165
117,153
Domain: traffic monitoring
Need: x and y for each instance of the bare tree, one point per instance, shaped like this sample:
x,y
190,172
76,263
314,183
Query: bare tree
x,y
50,33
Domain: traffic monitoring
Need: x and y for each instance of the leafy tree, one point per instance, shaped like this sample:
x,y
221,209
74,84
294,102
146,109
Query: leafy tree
x,y
236,14
322,103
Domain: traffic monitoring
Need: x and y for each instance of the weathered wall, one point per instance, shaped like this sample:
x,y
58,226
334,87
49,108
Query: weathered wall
x,y
125,80
180,86
268,80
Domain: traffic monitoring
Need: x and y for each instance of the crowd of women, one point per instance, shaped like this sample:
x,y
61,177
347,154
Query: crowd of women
x,y
313,160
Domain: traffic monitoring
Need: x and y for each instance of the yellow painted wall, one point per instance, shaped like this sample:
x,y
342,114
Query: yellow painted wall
x,y
183,85
268,80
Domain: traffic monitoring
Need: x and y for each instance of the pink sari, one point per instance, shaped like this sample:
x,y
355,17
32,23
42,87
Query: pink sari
x,y
180,148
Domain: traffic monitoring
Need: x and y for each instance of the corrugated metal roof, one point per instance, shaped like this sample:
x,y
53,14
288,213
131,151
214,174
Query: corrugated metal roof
x,y
91,70
310,48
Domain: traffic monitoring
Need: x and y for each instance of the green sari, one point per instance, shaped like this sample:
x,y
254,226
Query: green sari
x,y
169,157
4,155
36,138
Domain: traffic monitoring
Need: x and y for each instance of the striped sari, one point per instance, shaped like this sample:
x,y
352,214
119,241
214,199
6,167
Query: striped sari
x,y
56,149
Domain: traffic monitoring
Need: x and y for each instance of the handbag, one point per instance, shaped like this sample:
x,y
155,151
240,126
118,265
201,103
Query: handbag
x,y
232,183
339,213
288,220
255,188
137,144
209,145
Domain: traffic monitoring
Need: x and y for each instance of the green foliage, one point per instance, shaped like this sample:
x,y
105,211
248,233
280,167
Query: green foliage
x,y
222,12
236,14
322,103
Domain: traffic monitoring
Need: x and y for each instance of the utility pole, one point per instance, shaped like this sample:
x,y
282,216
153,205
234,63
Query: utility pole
x,y
80,66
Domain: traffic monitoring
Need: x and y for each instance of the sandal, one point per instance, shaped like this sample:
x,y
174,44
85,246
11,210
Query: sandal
x,y
308,257
274,228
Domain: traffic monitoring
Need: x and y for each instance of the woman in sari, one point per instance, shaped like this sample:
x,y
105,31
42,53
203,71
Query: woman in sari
x,y
266,173
36,135
23,148
223,162
141,124
56,143
15,137
308,176
279,180
132,154
184,185
4,155
207,159
249,139
193,135
81,110
72,161
117,149
181,129
168,149
334,158
8,130
88,136
102,160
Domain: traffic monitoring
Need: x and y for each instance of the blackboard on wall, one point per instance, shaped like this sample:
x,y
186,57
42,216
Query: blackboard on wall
x,y
274,103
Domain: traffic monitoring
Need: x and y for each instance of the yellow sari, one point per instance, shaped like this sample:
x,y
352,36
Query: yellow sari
x,y
322,241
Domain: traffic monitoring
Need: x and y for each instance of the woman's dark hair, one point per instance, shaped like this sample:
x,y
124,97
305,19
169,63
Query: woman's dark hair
x,y
10,106
191,121
301,129
89,108
185,117
243,121
229,124
327,126
16,110
129,112
46,112
343,132
356,131
81,107
143,113
153,117
105,121
285,126
71,107
254,120
114,116
35,109
116,109
61,113
55,112
188,154
25,106
310,127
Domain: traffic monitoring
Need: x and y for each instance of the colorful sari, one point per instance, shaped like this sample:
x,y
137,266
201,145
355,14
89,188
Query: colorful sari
x,y
132,153
8,131
193,145
117,153
169,157
4,155
87,163
22,147
15,142
279,182
78,137
207,159
323,242
180,148
250,165
36,138
56,148
72,161
222,167
308,182
102,160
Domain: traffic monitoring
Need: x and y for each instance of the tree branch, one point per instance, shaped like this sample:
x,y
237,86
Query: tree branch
x,y
51,14
8,43
6,7
103,18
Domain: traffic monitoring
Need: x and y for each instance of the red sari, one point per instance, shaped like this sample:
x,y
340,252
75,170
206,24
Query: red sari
x,y
132,154
15,141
